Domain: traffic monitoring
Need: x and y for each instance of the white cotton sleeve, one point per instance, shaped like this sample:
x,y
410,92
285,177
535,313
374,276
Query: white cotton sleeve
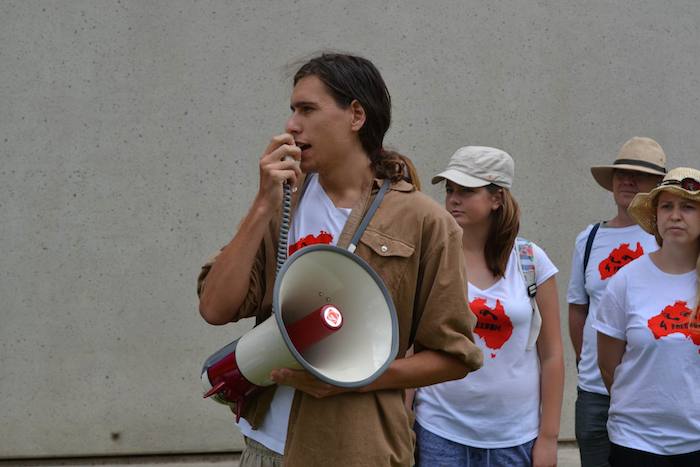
x,y
576,293
544,268
610,317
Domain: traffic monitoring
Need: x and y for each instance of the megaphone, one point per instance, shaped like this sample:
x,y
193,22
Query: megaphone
x,y
332,316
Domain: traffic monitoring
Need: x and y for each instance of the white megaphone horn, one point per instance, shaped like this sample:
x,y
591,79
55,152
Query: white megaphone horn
x,y
332,316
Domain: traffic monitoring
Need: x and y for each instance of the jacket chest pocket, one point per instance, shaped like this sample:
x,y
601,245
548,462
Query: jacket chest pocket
x,y
390,257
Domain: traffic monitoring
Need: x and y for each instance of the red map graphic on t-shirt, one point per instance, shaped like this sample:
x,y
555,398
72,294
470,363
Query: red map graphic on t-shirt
x,y
492,324
675,319
323,238
617,258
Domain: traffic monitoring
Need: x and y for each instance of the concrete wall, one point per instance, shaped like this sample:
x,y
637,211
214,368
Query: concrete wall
x,y
129,134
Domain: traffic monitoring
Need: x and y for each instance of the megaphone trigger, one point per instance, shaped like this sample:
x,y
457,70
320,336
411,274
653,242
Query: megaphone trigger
x,y
215,389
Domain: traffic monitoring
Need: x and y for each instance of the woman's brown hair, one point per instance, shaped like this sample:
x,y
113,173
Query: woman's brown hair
x,y
395,167
505,224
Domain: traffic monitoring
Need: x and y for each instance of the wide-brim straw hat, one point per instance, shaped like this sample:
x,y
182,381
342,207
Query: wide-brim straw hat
x,y
643,209
639,154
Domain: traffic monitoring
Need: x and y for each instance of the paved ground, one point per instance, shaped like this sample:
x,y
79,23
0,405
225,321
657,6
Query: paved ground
x,y
568,457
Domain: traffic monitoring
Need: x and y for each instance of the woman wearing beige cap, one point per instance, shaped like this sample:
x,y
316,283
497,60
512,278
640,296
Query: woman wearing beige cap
x,y
501,414
600,251
649,333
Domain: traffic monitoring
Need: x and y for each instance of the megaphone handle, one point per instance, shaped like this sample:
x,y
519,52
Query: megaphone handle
x,y
241,402
239,408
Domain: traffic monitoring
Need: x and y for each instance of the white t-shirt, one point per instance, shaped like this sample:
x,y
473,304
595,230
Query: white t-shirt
x,y
655,396
613,248
499,405
316,220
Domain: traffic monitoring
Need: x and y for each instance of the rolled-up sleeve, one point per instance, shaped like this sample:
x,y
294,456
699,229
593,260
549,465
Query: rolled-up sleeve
x,y
446,323
576,292
256,288
610,317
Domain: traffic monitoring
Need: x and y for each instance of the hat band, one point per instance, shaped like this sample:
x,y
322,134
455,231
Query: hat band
x,y
646,164
688,183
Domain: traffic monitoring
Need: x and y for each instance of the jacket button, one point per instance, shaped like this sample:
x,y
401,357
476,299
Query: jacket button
x,y
384,248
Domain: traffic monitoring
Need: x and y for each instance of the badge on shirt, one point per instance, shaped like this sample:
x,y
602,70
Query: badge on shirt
x,y
618,258
675,319
492,324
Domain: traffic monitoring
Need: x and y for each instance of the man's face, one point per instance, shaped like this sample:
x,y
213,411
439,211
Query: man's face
x,y
627,183
320,127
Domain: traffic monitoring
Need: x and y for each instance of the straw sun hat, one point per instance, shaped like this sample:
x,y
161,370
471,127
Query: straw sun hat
x,y
639,154
683,182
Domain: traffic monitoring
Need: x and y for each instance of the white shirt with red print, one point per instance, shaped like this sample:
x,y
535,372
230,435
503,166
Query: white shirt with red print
x,y
316,221
655,396
499,405
613,248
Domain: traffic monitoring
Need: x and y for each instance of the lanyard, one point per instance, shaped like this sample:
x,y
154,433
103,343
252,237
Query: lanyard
x,y
368,216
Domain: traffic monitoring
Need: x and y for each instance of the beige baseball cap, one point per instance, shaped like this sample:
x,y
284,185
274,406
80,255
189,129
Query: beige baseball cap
x,y
639,154
476,166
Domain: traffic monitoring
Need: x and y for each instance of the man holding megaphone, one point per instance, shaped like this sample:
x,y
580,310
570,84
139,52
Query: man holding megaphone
x,y
401,270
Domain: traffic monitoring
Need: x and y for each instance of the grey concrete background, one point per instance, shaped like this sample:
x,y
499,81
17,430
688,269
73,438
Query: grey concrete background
x,y
129,134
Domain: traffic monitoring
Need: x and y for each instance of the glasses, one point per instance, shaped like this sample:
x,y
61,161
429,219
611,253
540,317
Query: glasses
x,y
638,176
688,184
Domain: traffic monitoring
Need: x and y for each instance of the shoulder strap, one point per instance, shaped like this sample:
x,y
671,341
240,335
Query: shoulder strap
x,y
589,247
368,216
526,261
526,264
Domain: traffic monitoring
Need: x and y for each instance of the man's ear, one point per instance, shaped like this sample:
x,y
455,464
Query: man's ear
x,y
358,115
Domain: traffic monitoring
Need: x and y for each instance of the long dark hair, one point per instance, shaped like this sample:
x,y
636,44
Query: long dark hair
x,y
351,78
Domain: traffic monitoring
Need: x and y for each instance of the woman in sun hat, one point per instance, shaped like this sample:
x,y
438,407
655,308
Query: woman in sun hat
x,y
600,251
649,333
501,414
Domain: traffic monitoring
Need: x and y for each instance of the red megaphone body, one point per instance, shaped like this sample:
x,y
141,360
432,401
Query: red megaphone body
x,y
224,378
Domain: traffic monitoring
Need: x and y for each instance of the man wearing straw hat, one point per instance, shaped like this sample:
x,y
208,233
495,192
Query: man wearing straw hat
x,y
600,251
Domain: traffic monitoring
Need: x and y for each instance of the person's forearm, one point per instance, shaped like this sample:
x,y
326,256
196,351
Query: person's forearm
x,y
607,377
551,393
226,286
577,321
421,369
610,352
227,283
550,352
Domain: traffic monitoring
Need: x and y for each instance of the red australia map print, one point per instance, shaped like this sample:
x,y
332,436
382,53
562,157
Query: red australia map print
x,y
323,237
675,319
617,258
492,324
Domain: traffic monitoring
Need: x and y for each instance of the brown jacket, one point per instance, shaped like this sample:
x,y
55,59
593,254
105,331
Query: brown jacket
x,y
416,248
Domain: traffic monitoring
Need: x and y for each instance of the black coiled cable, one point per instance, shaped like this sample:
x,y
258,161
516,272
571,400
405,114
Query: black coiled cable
x,y
282,243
